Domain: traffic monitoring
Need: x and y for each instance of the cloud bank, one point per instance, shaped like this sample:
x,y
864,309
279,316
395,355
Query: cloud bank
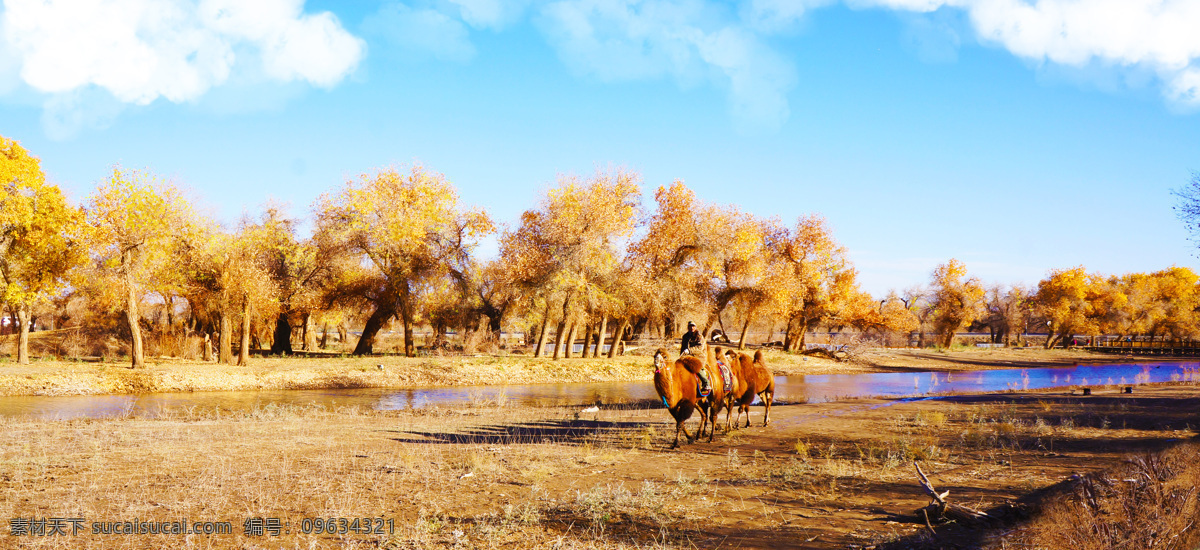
x,y
1161,35
736,46
689,40
143,50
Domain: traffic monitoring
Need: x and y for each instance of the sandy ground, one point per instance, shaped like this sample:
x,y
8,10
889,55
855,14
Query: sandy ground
x,y
831,475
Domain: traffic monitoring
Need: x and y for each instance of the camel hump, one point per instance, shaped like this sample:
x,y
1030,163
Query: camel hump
x,y
758,357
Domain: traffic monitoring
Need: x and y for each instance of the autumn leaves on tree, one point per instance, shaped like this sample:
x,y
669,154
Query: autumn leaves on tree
x,y
41,238
588,264
411,234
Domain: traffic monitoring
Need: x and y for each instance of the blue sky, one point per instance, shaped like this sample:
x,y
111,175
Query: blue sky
x,y
1016,136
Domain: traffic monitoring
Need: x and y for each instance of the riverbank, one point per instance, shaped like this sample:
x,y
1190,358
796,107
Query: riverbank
x,y
827,475
339,372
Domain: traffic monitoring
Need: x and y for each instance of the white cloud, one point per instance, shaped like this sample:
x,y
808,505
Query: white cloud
x,y
1160,35
494,14
141,50
934,37
420,31
777,15
689,40
65,114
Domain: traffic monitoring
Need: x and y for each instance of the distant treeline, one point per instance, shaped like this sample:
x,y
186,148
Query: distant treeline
x,y
138,263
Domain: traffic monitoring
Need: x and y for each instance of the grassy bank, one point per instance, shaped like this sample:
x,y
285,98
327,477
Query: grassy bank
x,y
176,375
166,375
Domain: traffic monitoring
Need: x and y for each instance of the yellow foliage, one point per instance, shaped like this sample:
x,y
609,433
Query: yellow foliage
x,y
39,232
569,247
956,300
410,231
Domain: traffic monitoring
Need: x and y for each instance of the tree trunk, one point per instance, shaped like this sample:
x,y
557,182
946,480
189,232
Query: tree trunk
x,y
742,336
407,317
618,335
787,334
343,334
225,345
310,335
558,338
170,305
600,336
366,342
23,319
541,339
282,343
206,351
132,316
570,351
803,339
494,326
244,351
562,324
410,347
325,335
588,340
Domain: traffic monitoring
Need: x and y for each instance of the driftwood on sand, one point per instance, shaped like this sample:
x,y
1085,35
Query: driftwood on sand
x,y
941,510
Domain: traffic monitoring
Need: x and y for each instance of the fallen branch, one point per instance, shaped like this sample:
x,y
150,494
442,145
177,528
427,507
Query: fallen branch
x,y
943,510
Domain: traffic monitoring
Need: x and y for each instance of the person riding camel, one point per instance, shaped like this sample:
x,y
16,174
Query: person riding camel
x,y
693,343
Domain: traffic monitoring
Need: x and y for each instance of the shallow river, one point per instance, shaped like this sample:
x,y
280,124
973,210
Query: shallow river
x,y
810,388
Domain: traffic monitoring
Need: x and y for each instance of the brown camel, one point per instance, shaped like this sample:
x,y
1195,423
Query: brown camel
x,y
679,387
760,381
720,398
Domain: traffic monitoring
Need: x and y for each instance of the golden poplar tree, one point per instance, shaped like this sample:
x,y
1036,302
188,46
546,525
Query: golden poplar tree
x,y
956,299
228,276
410,229
40,237
567,248
1066,299
812,282
663,279
137,220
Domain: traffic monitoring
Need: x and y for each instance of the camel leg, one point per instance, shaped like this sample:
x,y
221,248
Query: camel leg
x,y
712,422
767,397
678,428
728,411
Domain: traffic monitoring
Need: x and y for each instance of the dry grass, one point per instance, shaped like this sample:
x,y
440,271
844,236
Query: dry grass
x,y
434,473
1149,501
495,475
175,375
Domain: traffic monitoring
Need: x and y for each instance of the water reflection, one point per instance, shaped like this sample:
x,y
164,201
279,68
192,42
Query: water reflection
x,y
810,388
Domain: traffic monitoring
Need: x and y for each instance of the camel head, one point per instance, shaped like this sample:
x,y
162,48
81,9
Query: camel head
x,y
660,360
732,355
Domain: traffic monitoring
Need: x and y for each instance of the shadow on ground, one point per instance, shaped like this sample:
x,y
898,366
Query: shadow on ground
x,y
566,432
